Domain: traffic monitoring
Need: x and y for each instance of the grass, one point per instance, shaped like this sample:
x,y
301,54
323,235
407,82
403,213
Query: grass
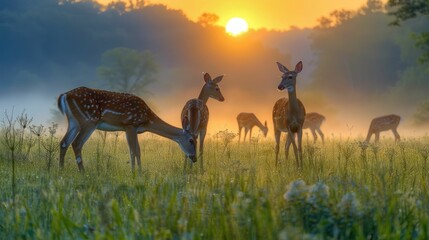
x,y
347,190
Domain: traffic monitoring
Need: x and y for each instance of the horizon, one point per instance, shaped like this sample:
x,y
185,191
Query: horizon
x,y
270,15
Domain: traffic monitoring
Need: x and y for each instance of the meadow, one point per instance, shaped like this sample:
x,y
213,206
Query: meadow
x,y
347,189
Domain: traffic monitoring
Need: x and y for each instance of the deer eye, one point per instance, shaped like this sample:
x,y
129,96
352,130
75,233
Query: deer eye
x,y
191,141
290,77
217,89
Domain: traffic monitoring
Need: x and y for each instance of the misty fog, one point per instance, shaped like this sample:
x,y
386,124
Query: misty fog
x,y
356,67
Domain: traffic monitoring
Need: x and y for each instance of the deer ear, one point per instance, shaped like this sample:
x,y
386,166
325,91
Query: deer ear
x,y
298,67
265,123
218,79
207,77
185,123
282,68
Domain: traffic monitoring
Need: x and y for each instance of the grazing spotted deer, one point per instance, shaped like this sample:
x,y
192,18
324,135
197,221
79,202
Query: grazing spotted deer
x,y
313,121
289,115
195,113
90,109
384,123
248,121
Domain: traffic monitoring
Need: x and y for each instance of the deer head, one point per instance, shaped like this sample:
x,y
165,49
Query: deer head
x,y
211,88
289,77
187,143
265,130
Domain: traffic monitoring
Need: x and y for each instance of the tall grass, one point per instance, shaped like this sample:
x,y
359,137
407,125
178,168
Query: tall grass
x,y
345,191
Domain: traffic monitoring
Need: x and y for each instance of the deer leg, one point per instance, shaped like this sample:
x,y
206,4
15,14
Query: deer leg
x,y
138,155
250,135
277,138
295,150
377,137
289,140
132,140
322,136
69,137
202,137
300,147
397,137
239,134
245,134
368,137
313,131
78,143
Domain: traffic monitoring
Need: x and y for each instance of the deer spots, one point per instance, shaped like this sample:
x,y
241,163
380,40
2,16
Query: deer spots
x,y
112,108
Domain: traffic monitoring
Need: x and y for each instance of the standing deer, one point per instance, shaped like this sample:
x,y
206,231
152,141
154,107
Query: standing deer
x,y
195,113
90,109
289,115
313,121
248,121
384,123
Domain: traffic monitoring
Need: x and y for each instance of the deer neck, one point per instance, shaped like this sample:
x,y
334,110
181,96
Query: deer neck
x,y
293,101
159,127
368,136
259,124
203,95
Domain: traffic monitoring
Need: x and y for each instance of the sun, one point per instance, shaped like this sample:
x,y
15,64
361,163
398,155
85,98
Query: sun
x,y
235,26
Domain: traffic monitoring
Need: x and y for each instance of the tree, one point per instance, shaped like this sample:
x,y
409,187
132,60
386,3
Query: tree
x,y
404,10
127,70
372,6
360,65
208,19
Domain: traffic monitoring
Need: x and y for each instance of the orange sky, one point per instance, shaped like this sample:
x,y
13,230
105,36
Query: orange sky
x,y
270,14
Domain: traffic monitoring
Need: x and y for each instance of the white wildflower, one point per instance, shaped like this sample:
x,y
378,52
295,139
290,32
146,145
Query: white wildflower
x,y
349,205
318,194
297,191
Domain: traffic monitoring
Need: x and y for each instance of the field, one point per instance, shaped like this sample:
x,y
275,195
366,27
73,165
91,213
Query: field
x,y
346,190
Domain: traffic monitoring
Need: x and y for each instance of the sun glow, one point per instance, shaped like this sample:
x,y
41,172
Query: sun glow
x,y
236,26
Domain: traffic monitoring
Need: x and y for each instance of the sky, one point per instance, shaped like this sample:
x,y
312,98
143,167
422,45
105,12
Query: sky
x,y
269,14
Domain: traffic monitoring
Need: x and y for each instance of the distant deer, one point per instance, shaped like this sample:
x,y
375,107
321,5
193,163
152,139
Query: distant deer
x,y
289,115
90,109
195,113
384,123
248,121
313,121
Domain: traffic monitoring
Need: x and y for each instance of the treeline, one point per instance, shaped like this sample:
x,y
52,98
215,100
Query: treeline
x,y
362,58
45,38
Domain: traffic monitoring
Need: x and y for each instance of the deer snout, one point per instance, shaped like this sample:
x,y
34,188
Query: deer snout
x,y
221,99
193,158
281,87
